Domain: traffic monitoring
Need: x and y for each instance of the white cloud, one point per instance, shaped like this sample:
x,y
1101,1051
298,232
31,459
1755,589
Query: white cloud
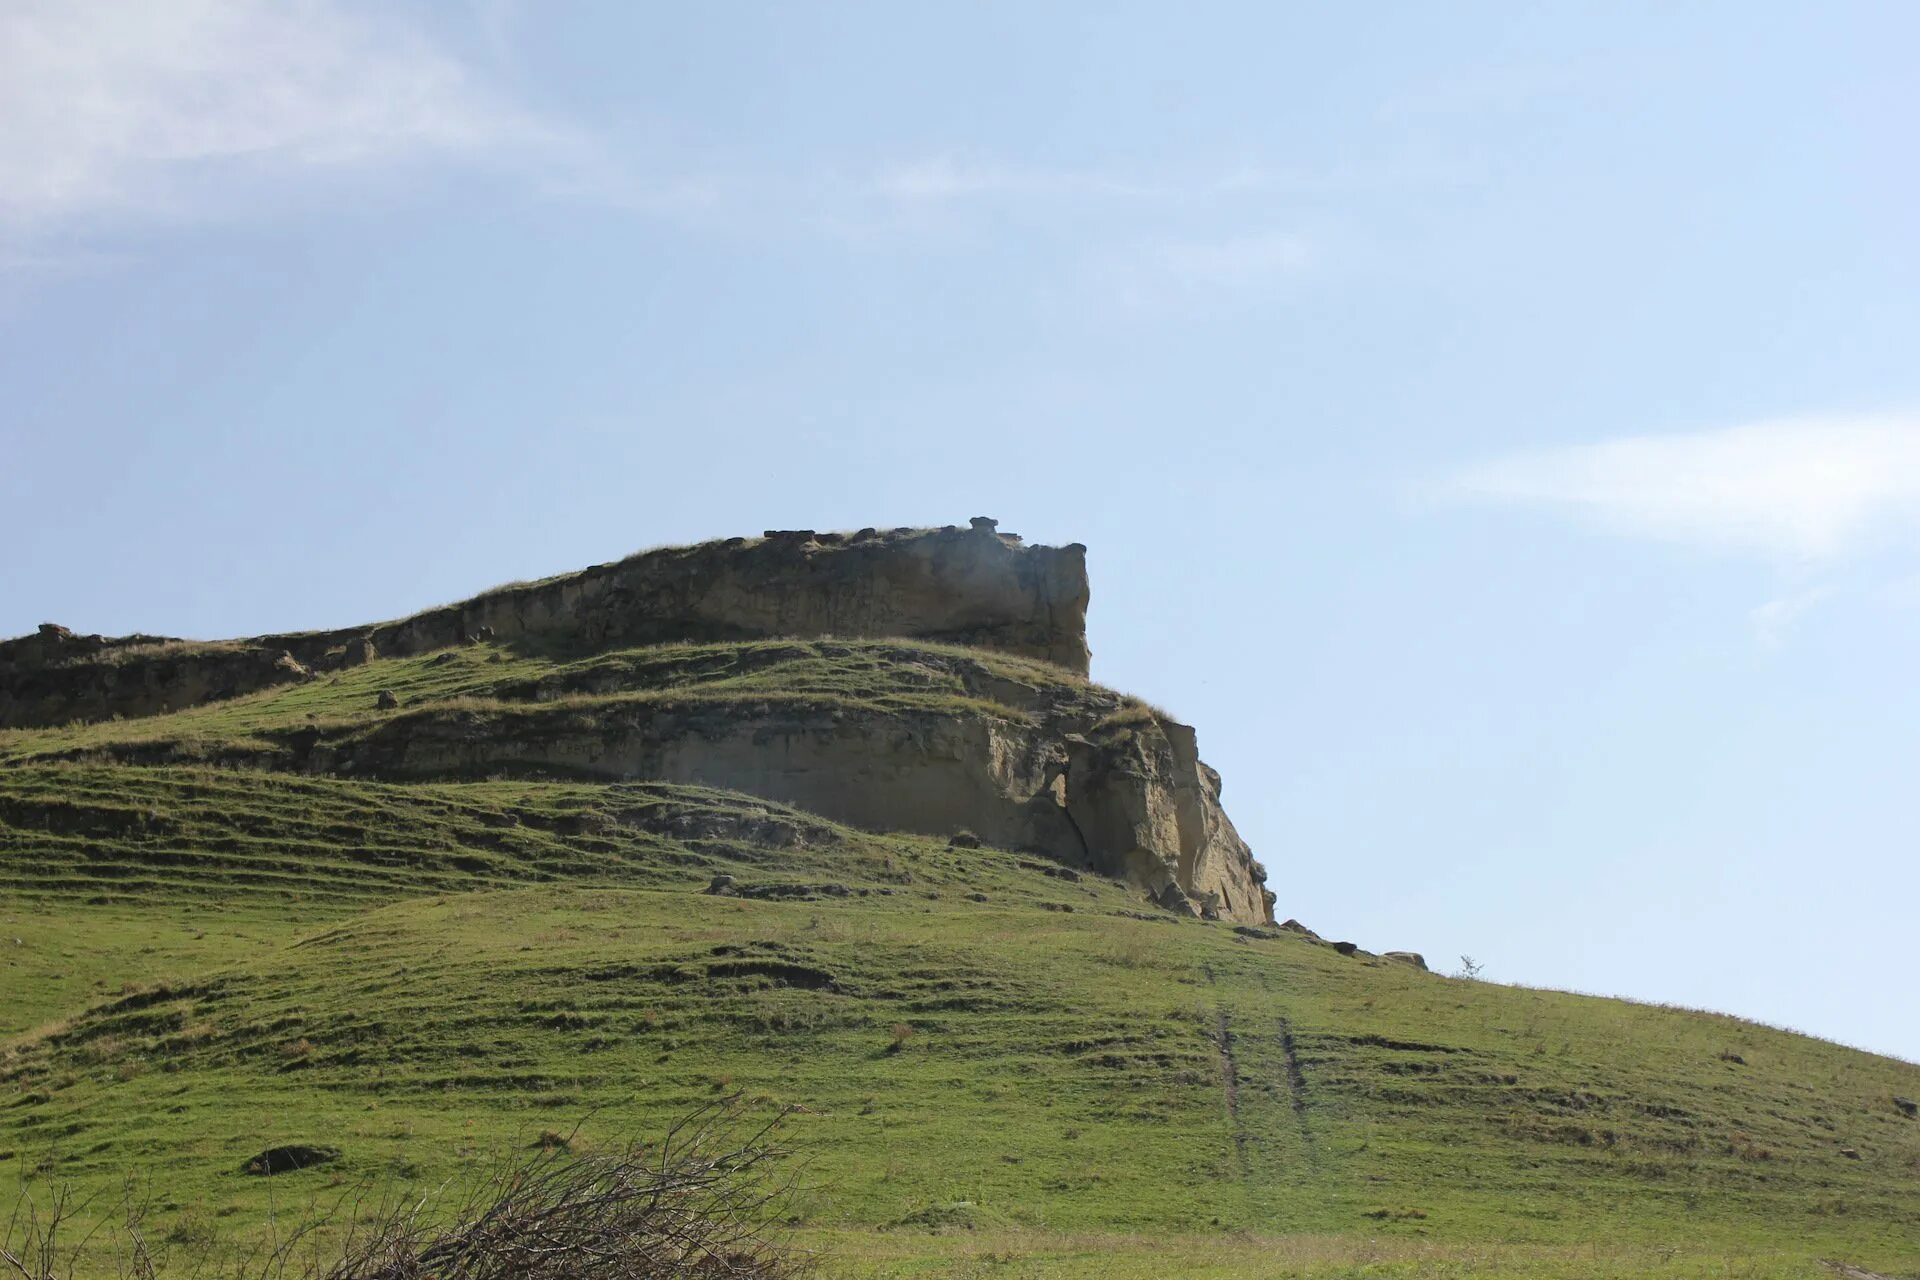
x,y
1798,490
128,109
118,114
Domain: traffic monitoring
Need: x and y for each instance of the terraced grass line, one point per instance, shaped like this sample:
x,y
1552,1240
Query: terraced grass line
x,y
199,962
890,677
1059,1074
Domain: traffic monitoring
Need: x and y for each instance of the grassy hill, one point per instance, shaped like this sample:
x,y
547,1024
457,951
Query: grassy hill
x,y
998,1065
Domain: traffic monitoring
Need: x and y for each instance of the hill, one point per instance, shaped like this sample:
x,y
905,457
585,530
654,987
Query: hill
x,y
980,923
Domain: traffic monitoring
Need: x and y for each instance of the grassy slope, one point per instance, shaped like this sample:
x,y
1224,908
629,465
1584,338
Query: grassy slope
x,y
209,961
871,675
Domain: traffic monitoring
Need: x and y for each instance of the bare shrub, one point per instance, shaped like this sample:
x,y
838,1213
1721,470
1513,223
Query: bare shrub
x,y
698,1205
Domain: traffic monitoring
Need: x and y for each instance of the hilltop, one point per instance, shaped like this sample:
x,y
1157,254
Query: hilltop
x,y
839,822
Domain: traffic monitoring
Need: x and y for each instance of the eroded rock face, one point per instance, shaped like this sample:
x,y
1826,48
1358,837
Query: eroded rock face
x,y
1133,802
1150,810
56,676
1058,767
973,586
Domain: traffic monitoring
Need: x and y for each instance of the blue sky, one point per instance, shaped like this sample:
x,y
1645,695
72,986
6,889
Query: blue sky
x,y
1495,426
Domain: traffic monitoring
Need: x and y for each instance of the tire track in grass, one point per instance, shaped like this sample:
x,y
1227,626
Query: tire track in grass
x,y
1230,1086
1296,1083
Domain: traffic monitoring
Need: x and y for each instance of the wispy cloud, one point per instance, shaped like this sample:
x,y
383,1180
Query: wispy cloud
x,y
1800,491
115,110
115,116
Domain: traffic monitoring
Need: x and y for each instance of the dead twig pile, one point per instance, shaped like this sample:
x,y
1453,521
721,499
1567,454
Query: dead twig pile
x,y
695,1206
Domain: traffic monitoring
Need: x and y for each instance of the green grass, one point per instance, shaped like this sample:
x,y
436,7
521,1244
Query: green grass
x,y
1065,1073
198,963
888,677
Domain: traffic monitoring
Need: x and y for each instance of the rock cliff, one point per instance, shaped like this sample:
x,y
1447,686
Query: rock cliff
x,y
973,586
55,676
992,732
1126,796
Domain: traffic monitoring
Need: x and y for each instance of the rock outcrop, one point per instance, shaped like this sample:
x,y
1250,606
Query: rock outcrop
x,y
1017,755
55,676
973,586
1132,801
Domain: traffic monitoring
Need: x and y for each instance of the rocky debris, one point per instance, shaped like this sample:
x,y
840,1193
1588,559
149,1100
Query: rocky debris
x,y
1052,869
1255,931
1173,898
727,886
1849,1153
289,1158
1906,1107
963,840
984,524
1345,948
795,892
387,700
1294,926
691,823
1151,919
358,652
1413,958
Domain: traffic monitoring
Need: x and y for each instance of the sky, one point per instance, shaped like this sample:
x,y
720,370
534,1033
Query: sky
x,y
1495,426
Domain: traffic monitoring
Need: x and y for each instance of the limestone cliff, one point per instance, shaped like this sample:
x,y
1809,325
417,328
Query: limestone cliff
x,y
973,586
564,678
1126,796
